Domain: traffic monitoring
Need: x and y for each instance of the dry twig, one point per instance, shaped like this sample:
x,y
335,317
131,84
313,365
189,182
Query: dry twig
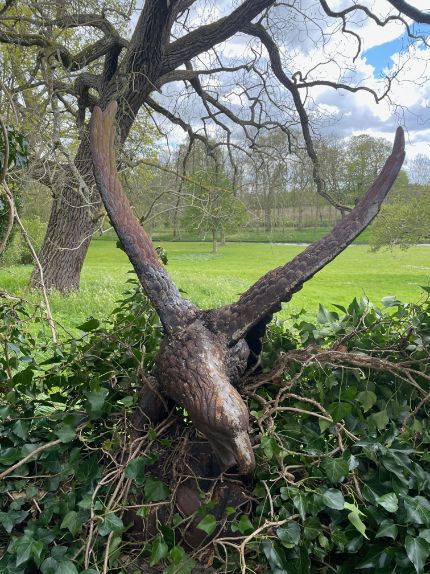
x,y
29,456
13,216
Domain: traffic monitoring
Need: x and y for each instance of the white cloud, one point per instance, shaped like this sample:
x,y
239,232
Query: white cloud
x,y
319,49
355,113
420,147
370,32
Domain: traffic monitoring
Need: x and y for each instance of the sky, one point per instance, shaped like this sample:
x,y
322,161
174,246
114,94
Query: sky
x,y
392,51
382,55
307,37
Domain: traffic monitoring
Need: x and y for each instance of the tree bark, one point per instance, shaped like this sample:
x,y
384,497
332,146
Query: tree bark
x,y
222,236
176,225
66,243
267,216
71,225
149,56
214,241
72,220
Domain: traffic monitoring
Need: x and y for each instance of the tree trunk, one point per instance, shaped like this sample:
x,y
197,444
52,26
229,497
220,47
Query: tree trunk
x,y
176,228
214,241
72,221
222,236
300,216
71,226
267,216
66,243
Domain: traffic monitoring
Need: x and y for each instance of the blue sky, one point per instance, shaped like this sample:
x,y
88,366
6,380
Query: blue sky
x,y
380,56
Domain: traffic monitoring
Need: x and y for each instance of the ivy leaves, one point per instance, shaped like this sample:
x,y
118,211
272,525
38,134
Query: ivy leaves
x,y
350,489
418,550
336,469
65,392
362,493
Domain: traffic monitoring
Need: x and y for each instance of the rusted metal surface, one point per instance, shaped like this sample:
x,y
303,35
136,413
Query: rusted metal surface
x,y
173,309
205,353
195,368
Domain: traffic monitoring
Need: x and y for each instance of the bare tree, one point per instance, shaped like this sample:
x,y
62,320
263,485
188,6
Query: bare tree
x,y
173,45
419,170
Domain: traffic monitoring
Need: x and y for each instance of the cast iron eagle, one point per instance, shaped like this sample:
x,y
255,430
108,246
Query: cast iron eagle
x,y
204,353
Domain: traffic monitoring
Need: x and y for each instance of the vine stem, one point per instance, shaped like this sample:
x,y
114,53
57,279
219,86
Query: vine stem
x,y
3,182
13,216
230,541
29,456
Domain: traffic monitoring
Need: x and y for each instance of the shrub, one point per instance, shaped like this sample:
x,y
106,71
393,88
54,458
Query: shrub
x,y
340,423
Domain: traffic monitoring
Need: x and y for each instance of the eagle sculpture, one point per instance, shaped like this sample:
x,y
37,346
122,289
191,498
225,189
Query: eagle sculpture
x,y
205,352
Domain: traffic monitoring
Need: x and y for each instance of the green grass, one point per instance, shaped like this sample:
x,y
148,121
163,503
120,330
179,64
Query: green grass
x,y
253,235
212,280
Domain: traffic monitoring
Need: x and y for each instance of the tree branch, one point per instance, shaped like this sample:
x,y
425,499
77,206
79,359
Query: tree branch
x,y
177,121
333,356
346,87
207,36
343,13
93,20
190,74
28,457
3,174
258,31
418,15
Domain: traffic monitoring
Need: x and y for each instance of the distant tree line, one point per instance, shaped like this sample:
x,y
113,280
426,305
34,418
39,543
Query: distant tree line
x,y
201,192
212,195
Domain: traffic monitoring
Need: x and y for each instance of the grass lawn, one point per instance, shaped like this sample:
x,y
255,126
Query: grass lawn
x,y
212,280
287,235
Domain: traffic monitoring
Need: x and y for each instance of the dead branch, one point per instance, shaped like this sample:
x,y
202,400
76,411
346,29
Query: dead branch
x,y
315,354
29,456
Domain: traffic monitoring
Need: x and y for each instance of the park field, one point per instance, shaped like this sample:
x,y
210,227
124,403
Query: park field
x,y
212,280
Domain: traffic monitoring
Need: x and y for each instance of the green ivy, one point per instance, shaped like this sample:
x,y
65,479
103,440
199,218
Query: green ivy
x,y
363,506
73,395
348,491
